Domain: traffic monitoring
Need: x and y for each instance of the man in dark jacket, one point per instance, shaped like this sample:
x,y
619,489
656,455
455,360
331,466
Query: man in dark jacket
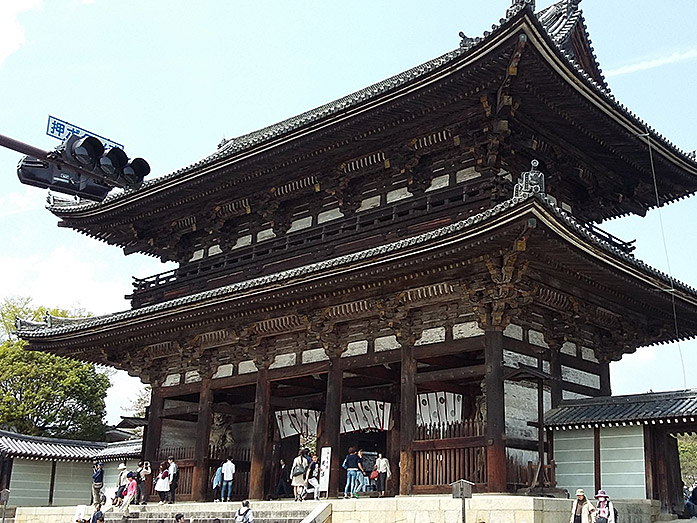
x,y
283,489
97,482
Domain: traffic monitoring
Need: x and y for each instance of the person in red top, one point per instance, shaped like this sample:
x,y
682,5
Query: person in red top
x,y
129,493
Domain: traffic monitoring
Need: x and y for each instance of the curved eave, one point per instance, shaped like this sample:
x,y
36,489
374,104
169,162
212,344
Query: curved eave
x,y
354,265
421,78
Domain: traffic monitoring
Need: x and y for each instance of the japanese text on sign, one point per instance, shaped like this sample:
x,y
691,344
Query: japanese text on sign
x,y
61,129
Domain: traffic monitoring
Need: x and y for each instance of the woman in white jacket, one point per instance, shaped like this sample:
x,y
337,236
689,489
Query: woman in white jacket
x,y
582,510
605,510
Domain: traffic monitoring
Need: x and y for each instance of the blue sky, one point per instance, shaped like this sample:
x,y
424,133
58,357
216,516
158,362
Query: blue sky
x,y
170,79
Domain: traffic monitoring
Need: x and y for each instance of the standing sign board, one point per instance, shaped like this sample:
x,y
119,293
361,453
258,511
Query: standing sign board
x,y
324,469
61,129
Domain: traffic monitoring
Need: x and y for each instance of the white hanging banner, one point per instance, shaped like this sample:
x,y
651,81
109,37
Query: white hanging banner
x,y
297,421
438,408
364,415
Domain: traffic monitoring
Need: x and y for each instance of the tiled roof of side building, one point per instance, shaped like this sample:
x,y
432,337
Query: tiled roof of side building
x,y
557,21
28,330
22,445
669,407
121,450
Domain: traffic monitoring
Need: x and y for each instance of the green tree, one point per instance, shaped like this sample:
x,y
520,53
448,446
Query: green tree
x,y
46,395
687,449
22,307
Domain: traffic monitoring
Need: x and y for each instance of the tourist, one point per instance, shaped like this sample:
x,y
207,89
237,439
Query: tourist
x,y
297,473
97,514
244,513
217,483
283,489
361,479
162,483
605,509
173,472
179,518
97,483
352,471
582,510
312,477
129,493
382,465
228,478
121,483
142,473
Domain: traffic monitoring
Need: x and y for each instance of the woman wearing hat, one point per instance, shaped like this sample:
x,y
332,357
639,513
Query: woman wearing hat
x,y
606,511
582,510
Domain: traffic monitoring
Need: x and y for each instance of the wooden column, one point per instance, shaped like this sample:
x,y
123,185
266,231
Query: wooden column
x,y
393,446
332,421
555,371
495,411
605,389
407,415
154,428
262,401
199,488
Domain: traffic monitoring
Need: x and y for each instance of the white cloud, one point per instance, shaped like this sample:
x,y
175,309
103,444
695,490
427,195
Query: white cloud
x,y
11,31
644,65
19,202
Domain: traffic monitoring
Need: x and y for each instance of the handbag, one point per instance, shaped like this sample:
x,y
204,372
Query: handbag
x,y
374,474
298,470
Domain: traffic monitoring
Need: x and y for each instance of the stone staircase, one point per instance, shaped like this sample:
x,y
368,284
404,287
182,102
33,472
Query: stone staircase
x,y
264,512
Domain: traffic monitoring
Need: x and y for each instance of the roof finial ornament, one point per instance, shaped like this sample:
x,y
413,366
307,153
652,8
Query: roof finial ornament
x,y
517,5
571,6
532,181
466,40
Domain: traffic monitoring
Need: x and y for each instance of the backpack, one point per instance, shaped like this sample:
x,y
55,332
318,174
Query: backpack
x,y
241,517
616,514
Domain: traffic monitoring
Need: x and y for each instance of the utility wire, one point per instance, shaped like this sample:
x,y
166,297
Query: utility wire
x,y
665,252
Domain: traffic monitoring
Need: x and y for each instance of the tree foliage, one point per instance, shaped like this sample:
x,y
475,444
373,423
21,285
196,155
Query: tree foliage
x,y
22,307
687,449
46,395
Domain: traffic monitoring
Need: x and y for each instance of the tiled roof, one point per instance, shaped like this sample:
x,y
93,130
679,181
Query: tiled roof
x,y
21,445
121,449
34,447
29,329
649,408
556,21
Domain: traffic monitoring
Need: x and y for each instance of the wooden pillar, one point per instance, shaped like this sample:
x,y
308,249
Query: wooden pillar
x,y
555,371
393,446
605,389
154,428
495,411
331,436
262,402
597,471
199,488
407,415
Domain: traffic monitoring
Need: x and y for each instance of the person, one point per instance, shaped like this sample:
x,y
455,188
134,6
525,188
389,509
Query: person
x,y
228,478
121,483
382,465
179,518
605,509
97,514
582,510
97,483
162,483
217,483
129,493
361,477
244,513
142,473
283,489
312,477
297,475
173,473
352,470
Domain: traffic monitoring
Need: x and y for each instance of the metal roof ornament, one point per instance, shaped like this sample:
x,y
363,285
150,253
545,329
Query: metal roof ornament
x,y
532,181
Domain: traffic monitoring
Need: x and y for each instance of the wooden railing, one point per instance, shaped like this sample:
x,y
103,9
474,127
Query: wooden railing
x,y
446,453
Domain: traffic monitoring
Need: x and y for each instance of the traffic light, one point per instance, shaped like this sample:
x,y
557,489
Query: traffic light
x,y
112,165
82,167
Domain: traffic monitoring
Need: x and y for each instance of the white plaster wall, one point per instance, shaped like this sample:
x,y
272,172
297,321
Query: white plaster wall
x,y
73,483
573,454
622,471
521,407
30,482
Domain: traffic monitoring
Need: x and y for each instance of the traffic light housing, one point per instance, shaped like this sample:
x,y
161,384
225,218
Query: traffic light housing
x,y
83,167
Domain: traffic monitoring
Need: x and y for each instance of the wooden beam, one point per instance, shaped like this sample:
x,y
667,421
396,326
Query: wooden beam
x,y
450,443
473,372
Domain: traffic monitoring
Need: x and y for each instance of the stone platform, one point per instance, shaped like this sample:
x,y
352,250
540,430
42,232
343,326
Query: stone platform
x,y
482,508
